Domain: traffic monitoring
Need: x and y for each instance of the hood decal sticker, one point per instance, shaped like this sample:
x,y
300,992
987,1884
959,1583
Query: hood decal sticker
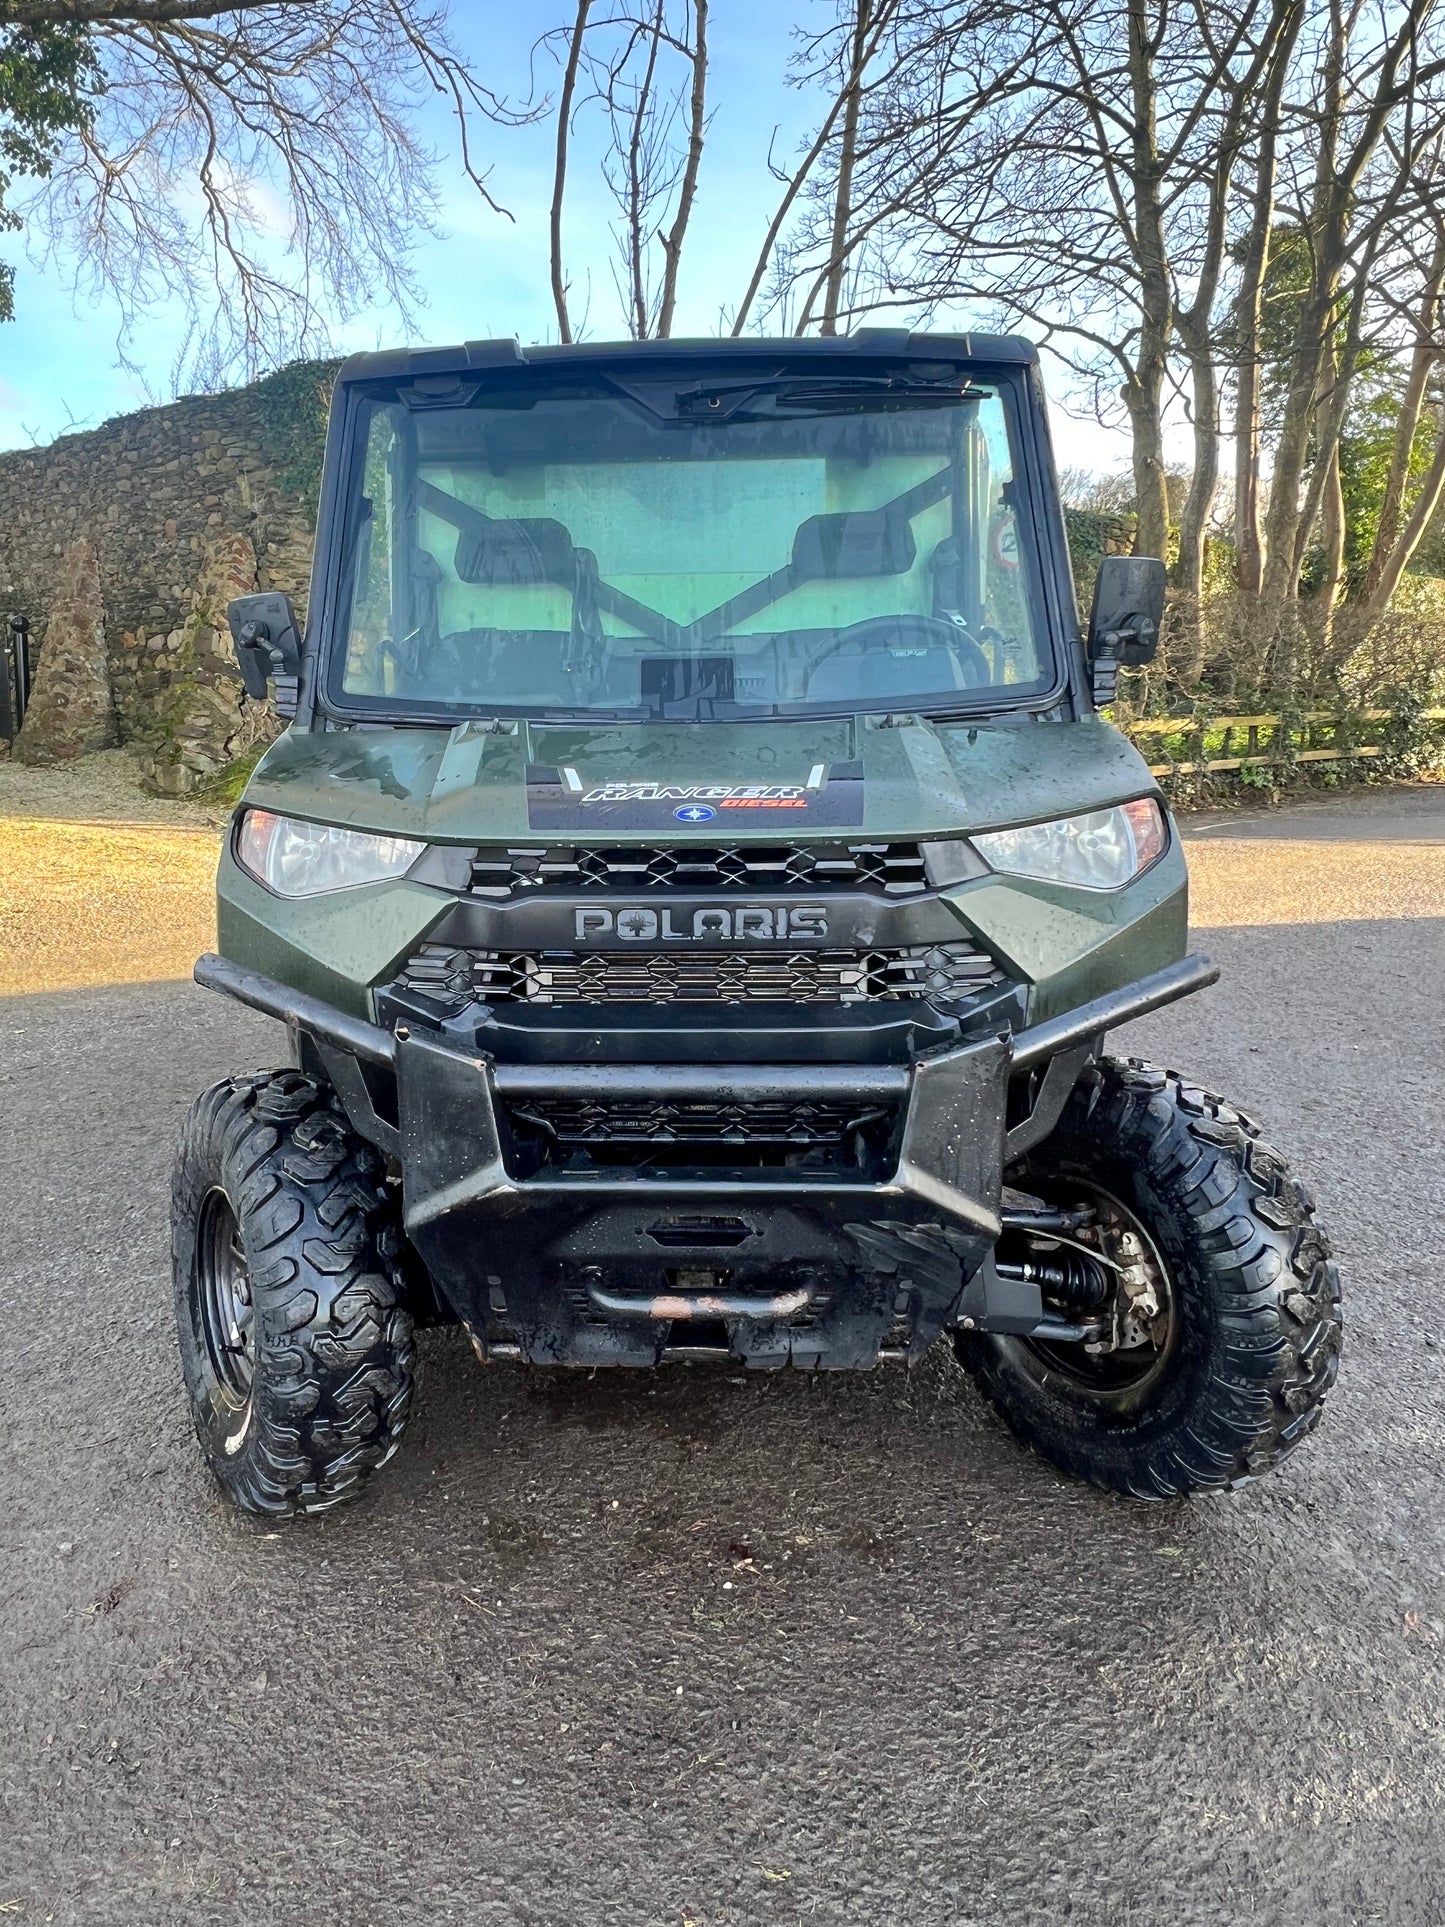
x,y
564,800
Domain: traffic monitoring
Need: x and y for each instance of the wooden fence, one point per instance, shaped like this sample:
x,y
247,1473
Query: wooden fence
x,y
1207,744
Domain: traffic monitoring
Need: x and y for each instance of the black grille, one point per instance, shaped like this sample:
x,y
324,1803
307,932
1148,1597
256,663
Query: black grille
x,y
589,1121
943,972
884,869
852,1141
439,970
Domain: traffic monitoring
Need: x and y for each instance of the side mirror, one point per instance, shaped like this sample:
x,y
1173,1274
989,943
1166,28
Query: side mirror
x,y
268,647
1124,623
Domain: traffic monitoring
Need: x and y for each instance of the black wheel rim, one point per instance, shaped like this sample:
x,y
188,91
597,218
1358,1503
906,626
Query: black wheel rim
x,y
223,1281
1122,1380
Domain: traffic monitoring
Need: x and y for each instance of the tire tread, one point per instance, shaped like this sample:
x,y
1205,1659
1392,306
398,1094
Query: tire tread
x,y
335,1353
1273,1291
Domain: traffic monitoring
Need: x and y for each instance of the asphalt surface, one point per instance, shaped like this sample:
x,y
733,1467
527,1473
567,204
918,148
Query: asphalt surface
x,y
694,1647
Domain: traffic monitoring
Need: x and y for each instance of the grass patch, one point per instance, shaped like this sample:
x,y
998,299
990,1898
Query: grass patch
x,y
223,790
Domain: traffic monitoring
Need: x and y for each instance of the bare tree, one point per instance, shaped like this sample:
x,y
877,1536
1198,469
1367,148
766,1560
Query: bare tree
x,y
36,13
1359,87
642,182
672,240
898,121
624,63
864,13
1258,215
847,62
1050,177
259,162
1252,51
1113,176
1387,559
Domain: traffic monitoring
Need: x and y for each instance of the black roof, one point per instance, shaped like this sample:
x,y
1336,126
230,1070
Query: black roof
x,y
874,344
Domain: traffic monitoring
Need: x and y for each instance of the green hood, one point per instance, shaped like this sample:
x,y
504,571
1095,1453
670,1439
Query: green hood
x,y
470,784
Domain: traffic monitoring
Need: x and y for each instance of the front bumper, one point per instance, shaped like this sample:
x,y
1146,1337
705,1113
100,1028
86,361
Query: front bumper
x,y
613,1267
627,1266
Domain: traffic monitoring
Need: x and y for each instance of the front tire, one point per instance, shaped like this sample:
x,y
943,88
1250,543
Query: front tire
x,y
1231,1370
296,1346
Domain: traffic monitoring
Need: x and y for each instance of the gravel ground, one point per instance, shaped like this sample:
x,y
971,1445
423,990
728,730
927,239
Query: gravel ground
x,y
693,1647
101,788
100,883
84,904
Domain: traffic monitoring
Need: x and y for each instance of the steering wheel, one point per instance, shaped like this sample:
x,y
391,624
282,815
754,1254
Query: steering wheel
x,y
910,630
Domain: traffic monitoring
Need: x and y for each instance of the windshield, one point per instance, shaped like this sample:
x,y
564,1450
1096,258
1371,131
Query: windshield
x,y
761,547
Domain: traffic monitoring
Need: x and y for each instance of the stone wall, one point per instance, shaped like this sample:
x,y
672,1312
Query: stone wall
x,y
180,507
1093,535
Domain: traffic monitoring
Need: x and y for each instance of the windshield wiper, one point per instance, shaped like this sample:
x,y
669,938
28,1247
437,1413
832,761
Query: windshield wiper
x,y
818,395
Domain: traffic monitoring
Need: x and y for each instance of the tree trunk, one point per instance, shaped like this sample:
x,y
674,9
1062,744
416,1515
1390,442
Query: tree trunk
x,y
1337,374
1249,305
1194,522
1327,224
1423,360
1332,543
1324,230
1248,519
696,133
847,157
1151,492
636,152
1285,530
559,172
1204,482
1144,390
1432,492
1248,523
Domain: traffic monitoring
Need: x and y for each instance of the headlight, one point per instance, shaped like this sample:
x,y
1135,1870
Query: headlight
x,y
298,859
1100,851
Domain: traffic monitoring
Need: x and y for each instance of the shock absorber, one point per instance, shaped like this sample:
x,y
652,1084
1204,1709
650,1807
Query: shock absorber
x,y
1071,1278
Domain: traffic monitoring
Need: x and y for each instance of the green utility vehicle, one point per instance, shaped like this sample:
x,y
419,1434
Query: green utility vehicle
x,y
697,882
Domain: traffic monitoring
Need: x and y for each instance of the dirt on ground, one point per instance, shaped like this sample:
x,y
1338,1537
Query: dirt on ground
x,y
99,882
84,904
103,787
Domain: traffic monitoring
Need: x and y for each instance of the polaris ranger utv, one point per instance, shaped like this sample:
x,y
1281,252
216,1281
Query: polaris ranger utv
x,y
698,881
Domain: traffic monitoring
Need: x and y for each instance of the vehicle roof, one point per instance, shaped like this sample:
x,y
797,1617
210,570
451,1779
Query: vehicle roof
x,y
875,344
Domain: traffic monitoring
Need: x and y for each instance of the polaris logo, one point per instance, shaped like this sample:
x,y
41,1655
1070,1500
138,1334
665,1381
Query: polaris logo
x,y
754,923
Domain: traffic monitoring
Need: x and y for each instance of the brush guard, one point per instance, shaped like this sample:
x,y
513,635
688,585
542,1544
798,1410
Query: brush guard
x,y
768,1267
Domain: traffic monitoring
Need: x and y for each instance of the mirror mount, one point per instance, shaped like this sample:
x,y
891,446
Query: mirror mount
x,y
267,641
1124,623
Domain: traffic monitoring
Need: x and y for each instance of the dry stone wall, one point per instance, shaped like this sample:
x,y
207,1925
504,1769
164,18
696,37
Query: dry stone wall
x,y
71,705
163,515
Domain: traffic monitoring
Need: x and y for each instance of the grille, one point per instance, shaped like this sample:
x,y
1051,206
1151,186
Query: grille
x,y
591,1121
942,972
883,869
852,1141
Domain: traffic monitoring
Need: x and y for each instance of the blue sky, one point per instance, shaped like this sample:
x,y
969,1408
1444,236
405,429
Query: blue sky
x,y
485,275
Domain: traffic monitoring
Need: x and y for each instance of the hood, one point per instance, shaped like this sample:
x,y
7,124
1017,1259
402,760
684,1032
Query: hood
x,y
870,776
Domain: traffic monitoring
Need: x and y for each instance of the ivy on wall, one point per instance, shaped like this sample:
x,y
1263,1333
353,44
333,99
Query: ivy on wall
x,y
291,409
1091,536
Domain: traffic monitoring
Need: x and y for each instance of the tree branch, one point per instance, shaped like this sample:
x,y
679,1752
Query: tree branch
x,y
96,13
696,130
559,171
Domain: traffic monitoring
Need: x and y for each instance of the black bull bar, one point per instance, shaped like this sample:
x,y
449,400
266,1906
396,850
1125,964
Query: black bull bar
x,y
617,1266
